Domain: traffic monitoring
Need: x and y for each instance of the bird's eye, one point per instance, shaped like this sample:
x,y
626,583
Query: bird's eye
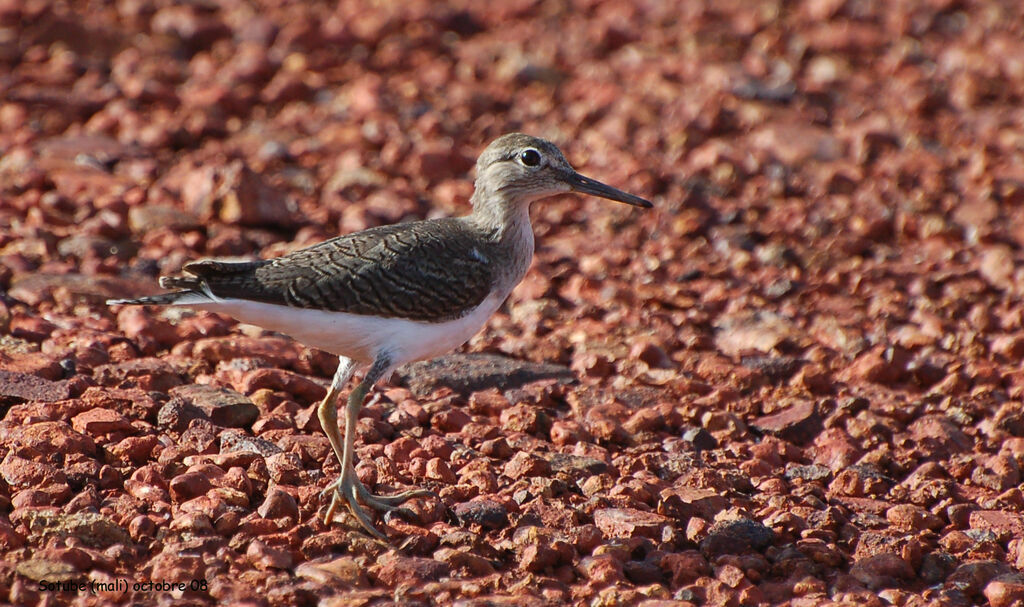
x,y
530,157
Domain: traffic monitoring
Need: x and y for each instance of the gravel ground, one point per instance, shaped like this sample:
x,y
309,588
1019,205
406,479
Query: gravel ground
x,y
796,381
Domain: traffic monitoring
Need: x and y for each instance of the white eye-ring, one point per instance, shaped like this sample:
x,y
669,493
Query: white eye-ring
x,y
530,157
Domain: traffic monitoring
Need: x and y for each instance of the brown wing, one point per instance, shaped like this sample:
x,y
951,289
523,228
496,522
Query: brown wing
x,y
427,270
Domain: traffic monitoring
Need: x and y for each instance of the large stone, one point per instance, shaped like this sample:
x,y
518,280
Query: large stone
x,y
1005,591
939,436
885,570
303,388
467,373
101,421
683,503
396,569
577,466
20,387
745,332
799,423
630,522
344,570
1007,524
235,194
46,437
735,537
222,406
486,513
151,374
91,528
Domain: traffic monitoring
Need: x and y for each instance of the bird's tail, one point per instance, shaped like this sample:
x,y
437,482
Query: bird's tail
x,y
191,291
198,289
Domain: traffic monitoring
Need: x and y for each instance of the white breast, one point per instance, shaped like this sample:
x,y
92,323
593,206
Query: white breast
x,y
359,337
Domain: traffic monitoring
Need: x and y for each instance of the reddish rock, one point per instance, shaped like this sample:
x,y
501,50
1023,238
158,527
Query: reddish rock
x,y
735,537
859,481
400,449
9,538
908,517
100,421
31,328
47,437
189,485
268,557
465,561
648,419
497,448
343,570
40,364
602,570
136,449
684,567
21,472
683,503
285,468
881,365
150,374
1005,524
394,569
149,217
136,322
524,465
886,570
450,420
235,194
221,406
629,522
488,402
815,379
142,527
23,386
439,469
997,266
279,503
999,473
277,352
524,418
566,432
537,557
835,449
1005,591
54,494
799,423
939,436
303,388
974,576
489,514
1010,416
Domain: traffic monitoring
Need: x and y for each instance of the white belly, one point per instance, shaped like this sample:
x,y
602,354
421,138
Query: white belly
x,y
358,337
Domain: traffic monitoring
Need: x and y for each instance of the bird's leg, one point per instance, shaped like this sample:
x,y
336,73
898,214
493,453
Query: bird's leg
x,y
328,414
348,487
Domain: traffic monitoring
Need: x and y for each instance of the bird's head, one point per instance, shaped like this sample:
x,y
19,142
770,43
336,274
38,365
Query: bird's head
x,y
517,168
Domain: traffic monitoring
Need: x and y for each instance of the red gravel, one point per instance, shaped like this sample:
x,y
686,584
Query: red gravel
x,y
795,380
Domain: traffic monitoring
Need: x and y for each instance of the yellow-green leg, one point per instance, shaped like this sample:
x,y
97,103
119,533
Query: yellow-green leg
x,y
348,487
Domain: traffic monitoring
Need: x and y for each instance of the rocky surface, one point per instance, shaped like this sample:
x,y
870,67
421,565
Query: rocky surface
x,y
796,380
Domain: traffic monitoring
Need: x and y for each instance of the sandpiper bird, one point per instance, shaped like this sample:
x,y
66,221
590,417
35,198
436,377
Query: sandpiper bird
x,y
393,294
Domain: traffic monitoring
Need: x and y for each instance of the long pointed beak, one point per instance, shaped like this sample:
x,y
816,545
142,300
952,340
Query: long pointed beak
x,y
586,185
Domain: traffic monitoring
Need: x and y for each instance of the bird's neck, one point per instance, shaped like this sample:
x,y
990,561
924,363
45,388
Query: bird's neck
x,y
506,224
494,214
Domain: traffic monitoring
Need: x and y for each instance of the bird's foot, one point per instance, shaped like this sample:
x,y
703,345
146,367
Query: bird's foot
x,y
349,489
